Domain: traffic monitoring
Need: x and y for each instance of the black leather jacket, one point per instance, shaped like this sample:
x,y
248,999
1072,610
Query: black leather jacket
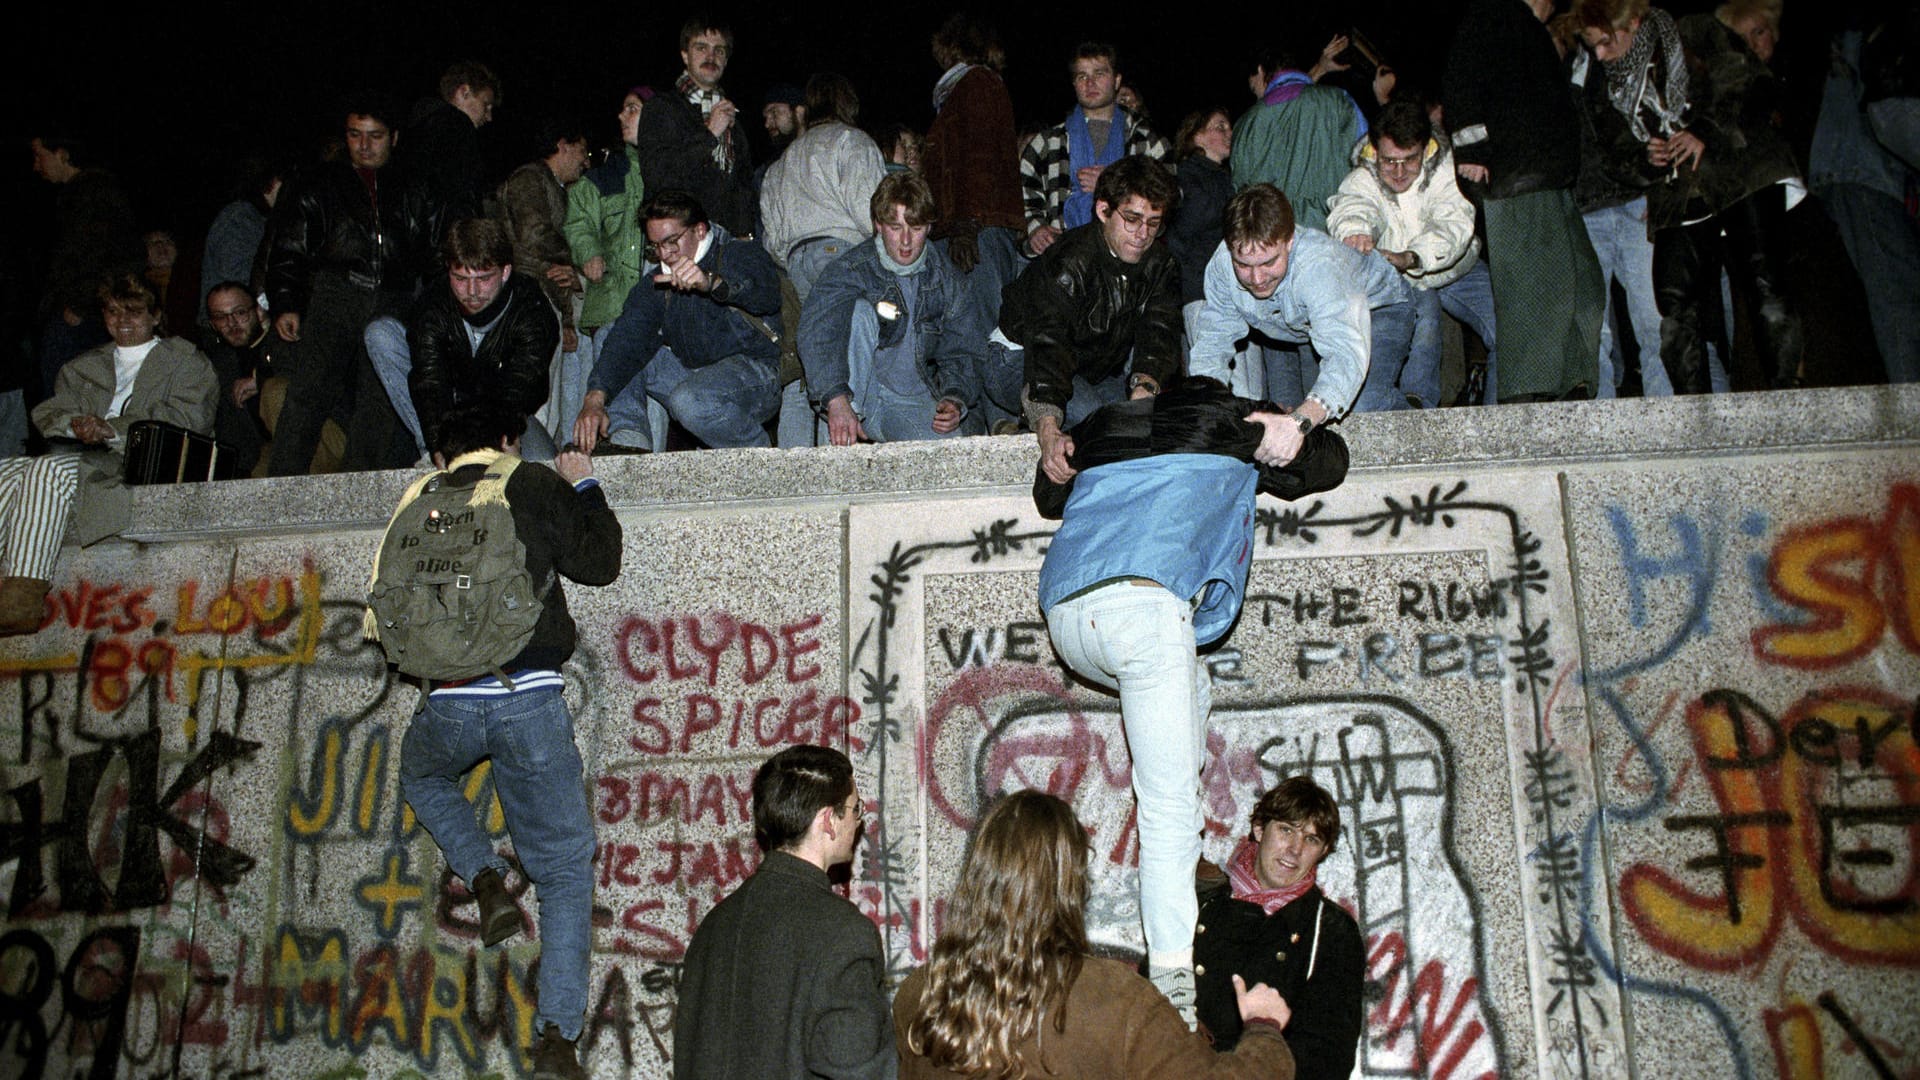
x,y
328,226
510,368
1079,310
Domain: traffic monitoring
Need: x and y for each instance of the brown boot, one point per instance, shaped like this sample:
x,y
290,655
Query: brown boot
x,y
554,1058
23,604
500,917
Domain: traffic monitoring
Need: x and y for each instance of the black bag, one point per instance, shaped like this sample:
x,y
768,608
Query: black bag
x,y
163,453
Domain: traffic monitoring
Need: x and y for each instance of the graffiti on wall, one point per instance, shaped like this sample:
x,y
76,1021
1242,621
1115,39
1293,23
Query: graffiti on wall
x,y
1787,801
1000,714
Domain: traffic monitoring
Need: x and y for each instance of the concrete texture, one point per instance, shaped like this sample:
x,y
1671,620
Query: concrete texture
x,y
1617,700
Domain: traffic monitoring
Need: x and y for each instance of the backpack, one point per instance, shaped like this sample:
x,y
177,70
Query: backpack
x,y
451,597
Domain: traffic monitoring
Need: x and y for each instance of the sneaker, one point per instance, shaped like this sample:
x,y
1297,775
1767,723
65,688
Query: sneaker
x,y
556,1058
1176,983
500,917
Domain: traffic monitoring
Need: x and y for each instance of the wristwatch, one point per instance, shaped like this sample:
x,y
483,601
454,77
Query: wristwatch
x,y
1303,422
1135,382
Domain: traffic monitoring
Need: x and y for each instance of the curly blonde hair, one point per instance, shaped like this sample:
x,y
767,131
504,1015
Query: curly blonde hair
x,y
1013,942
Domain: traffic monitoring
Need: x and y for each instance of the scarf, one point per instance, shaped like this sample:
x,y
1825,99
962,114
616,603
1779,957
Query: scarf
x,y
1246,884
886,260
947,82
1631,85
706,100
1081,153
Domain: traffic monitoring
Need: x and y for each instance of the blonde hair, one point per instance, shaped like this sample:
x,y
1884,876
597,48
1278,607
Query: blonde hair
x,y
1012,944
1734,10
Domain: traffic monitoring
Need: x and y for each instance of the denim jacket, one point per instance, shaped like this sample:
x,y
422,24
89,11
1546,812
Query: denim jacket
x,y
700,329
950,324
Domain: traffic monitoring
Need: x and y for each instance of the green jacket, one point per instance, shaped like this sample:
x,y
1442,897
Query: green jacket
x,y
1301,147
602,213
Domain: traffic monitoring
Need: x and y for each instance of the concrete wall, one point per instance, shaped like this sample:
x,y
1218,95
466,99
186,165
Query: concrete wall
x,y
1617,699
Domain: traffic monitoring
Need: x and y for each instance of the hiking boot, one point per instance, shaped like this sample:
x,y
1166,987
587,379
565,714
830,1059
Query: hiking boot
x,y
23,604
556,1057
1176,984
500,917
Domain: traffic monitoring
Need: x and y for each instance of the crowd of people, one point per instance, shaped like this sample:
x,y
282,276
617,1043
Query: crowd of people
x,y
975,278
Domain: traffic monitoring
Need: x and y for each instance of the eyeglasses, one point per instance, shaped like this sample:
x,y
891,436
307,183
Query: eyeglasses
x,y
654,247
1135,222
1400,164
236,315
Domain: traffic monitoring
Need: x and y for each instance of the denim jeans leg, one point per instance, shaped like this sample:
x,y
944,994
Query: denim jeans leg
x,y
386,339
1139,641
1003,375
567,386
1633,268
1089,396
1469,298
442,743
1421,377
1390,335
634,418
537,773
725,404
536,444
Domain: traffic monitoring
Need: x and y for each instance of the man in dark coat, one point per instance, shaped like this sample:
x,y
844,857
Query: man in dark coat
x,y
690,139
1269,921
784,977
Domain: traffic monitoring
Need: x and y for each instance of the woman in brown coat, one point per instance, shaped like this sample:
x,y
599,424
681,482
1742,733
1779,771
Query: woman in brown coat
x,y
1010,991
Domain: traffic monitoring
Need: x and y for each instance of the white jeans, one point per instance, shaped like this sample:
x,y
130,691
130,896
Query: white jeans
x,y
1138,639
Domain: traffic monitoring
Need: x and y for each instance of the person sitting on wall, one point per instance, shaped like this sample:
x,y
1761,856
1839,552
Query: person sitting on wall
x,y
96,397
1268,922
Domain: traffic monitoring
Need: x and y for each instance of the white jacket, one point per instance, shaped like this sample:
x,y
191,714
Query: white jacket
x,y
821,186
1432,218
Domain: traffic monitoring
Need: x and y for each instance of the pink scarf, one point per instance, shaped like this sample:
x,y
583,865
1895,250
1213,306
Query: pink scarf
x,y
1246,884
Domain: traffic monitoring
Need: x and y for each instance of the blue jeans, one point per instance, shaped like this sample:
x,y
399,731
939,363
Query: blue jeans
x,y
724,404
633,418
1138,640
805,263
1005,376
1468,298
1620,241
386,339
1392,340
887,415
1000,262
537,774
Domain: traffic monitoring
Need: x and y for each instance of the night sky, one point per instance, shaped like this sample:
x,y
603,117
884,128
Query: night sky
x,y
178,93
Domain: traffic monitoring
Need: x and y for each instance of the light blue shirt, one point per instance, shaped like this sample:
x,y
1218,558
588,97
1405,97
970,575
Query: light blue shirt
x,y
1183,520
1326,299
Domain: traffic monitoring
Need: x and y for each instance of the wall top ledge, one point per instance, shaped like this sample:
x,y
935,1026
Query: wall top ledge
x,y
1553,435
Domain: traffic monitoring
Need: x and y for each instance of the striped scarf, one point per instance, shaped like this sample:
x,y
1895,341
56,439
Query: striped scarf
x,y
706,100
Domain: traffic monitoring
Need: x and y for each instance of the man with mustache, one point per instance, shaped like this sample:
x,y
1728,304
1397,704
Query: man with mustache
x,y
690,140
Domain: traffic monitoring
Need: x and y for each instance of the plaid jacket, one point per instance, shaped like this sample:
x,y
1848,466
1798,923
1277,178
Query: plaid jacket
x,y
1045,166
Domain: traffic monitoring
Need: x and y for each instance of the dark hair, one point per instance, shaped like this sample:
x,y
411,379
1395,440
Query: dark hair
x,y
1405,122
1096,50
371,103
232,286
793,786
889,136
964,38
1192,126
477,77
129,289
480,243
476,425
701,23
672,205
1298,799
830,96
905,189
1137,175
555,130
1259,214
